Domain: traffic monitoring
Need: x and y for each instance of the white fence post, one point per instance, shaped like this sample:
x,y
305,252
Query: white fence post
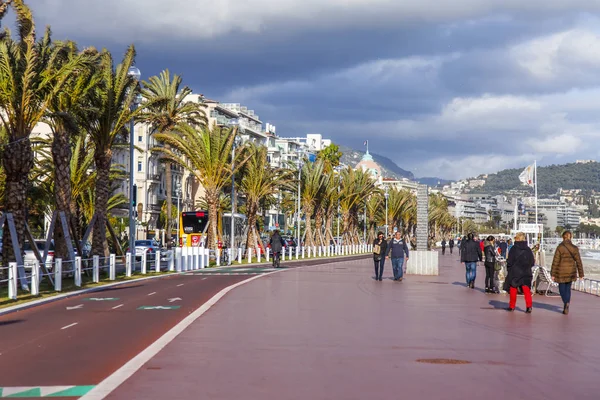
x,y
175,260
144,259
239,257
207,259
258,254
157,262
78,271
303,248
268,253
96,269
218,257
128,262
12,280
112,267
58,275
200,257
320,250
283,254
297,252
249,255
35,278
290,254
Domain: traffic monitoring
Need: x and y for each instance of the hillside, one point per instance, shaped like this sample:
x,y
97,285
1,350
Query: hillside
x,y
390,169
550,179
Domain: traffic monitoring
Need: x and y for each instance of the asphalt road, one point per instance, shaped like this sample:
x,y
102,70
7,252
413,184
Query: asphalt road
x,y
81,340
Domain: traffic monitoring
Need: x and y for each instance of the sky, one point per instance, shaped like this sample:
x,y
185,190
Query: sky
x,y
445,88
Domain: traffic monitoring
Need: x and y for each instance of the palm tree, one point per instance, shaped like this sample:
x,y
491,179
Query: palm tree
x,y
165,108
206,153
355,187
398,204
29,79
375,214
110,103
314,181
260,182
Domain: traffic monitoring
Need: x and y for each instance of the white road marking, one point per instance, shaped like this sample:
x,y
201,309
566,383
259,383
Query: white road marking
x,y
175,299
204,279
68,326
152,293
180,285
75,307
120,305
109,384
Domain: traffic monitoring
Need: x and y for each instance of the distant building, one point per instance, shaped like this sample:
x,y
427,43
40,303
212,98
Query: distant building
x,y
367,164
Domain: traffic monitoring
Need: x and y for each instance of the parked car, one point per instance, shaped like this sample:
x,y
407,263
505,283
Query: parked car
x,y
150,247
29,257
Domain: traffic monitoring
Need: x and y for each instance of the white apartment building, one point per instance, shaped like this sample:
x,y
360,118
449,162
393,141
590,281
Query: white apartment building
x,y
558,213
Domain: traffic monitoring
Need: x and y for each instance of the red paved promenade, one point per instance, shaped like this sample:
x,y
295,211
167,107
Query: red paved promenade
x,y
332,332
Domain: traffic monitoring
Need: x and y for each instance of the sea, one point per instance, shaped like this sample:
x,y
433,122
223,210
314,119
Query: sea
x,y
590,259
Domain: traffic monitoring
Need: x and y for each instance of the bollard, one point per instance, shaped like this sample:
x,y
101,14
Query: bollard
x,y
239,257
128,259
207,257
320,248
218,257
12,280
282,258
258,253
297,252
175,260
230,255
201,260
96,269
184,258
58,274
268,253
112,267
144,259
35,278
303,252
314,251
78,271
290,254
249,255
157,262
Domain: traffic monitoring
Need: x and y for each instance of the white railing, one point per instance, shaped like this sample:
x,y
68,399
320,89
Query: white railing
x,y
92,270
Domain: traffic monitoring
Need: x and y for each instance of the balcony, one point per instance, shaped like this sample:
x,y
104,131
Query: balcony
x,y
154,207
154,177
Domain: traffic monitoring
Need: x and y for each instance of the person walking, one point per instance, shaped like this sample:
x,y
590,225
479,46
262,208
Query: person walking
x,y
379,252
519,264
566,266
490,262
503,248
451,244
277,243
470,254
443,246
397,249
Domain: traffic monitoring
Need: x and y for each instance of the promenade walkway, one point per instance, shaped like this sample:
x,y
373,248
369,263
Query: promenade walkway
x,y
332,332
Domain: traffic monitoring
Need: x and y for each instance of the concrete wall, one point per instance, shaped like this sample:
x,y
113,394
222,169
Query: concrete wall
x,y
423,263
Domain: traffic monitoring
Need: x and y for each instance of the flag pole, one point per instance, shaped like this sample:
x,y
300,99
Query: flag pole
x,y
536,194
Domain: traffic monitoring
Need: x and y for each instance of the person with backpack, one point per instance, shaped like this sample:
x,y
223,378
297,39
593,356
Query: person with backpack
x,y
566,266
519,264
277,244
379,252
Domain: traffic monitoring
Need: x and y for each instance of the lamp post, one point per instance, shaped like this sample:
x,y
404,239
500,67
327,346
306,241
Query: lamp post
x,y
365,225
299,163
386,194
134,73
236,142
178,191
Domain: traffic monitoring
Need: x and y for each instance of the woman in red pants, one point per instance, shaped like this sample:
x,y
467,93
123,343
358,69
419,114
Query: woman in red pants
x,y
519,264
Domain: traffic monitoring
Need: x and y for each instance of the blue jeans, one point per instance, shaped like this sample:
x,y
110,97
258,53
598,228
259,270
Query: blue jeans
x,y
565,292
471,271
397,264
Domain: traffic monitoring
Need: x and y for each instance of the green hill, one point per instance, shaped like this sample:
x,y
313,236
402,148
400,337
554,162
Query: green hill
x,y
551,178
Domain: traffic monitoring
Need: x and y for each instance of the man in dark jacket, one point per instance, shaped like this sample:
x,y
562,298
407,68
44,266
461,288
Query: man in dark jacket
x,y
470,254
277,243
443,246
451,244
397,248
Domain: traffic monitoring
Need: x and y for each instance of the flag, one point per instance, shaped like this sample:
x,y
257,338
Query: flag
x,y
366,143
526,176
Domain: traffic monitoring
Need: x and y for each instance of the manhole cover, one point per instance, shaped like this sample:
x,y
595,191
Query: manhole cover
x,y
442,361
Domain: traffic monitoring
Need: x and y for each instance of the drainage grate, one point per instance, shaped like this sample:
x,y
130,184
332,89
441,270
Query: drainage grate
x,y
442,361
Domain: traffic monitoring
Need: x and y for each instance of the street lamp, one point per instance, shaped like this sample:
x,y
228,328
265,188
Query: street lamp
x,y
299,163
386,194
236,142
134,73
178,191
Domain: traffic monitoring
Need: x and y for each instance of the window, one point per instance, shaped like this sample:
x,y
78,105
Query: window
x,y
140,138
139,166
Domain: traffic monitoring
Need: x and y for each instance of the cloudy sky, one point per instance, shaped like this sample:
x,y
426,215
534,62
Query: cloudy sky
x,y
447,88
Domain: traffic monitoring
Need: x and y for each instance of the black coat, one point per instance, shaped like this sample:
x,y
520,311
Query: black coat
x,y
519,263
382,246
451,243
470,251
490,253
277,243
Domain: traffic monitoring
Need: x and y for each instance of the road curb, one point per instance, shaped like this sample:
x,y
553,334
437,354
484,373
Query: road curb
x,y
39,302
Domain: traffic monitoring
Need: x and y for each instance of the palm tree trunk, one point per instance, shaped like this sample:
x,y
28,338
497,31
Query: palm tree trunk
x,y
212,200
308,212
169,184
99,243
17,161
319,227
61,155
251,239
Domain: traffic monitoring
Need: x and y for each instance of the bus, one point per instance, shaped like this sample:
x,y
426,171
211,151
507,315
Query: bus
x,y
192,228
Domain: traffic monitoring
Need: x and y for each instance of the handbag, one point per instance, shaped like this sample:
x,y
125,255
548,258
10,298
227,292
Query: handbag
x,y
497,266
376,249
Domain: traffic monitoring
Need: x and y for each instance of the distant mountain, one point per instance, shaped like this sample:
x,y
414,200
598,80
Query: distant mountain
x,y
584,176
389,168
433,181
